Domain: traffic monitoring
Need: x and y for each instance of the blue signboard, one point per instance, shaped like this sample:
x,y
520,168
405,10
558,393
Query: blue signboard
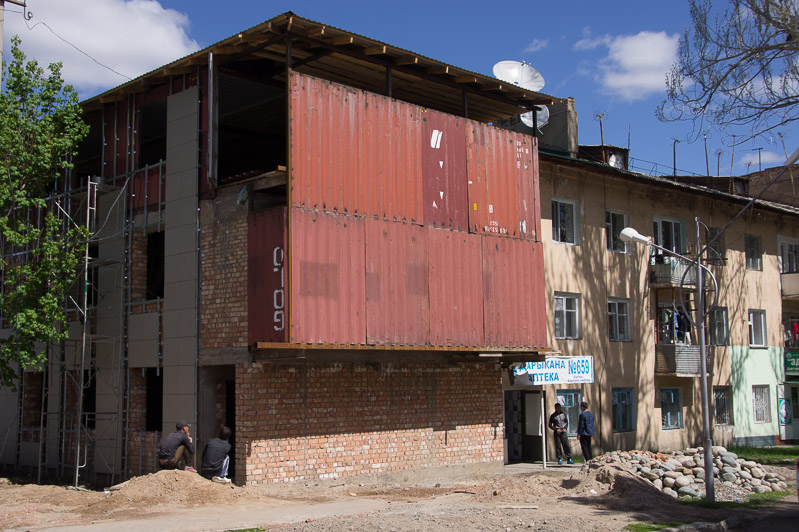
x,y
555,370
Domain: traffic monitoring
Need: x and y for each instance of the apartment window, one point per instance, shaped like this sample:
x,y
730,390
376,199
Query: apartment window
x,y
570,403
715,251
567,316
789,258
155,399
722,402
564,221
718,327
761,406
618,320
757,327
155,265
668,234
670,408
754,259
623,410
614,223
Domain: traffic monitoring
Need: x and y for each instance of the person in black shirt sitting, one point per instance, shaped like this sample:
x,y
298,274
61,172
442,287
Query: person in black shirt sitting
x,y
215,457
177,449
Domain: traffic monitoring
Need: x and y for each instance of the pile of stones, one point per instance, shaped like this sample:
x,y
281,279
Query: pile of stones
x,y
682,473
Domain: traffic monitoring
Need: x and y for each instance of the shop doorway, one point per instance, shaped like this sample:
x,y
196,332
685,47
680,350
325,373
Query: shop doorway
x,y
524,426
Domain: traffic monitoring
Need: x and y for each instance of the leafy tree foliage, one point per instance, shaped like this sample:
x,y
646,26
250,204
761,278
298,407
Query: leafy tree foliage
x,y
737,69
40,126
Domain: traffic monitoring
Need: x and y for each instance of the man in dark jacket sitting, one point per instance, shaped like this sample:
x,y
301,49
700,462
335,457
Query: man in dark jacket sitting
x,y
176,449
215,456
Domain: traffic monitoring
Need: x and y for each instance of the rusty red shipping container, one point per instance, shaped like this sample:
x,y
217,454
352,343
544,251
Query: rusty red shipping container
x,y
501,189
513,292
326,259
397,302
444,172
354,152
267,276
456,288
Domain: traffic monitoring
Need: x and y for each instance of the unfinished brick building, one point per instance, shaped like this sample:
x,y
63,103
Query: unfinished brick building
x,y
311,236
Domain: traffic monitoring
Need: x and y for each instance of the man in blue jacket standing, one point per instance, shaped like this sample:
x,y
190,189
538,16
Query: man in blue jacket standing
x,y
585,429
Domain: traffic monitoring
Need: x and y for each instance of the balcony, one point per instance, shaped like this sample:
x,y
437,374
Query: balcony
x,y
790,285
680,360
668,271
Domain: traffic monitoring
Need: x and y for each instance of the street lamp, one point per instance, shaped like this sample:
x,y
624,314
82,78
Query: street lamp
x,y
628,234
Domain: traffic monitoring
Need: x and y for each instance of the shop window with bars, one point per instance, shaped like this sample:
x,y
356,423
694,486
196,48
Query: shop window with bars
x,y
722,402
761,405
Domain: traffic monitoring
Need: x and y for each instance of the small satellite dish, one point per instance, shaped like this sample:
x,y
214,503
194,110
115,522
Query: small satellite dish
x,y
520,74
541,117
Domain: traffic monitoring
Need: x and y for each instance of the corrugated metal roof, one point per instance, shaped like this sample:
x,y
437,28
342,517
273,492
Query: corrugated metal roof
x,y
350,58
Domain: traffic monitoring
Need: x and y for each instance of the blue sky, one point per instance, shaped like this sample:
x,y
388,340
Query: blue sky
x,y
610,56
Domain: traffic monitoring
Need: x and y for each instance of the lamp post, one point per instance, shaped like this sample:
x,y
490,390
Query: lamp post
x,y
629,234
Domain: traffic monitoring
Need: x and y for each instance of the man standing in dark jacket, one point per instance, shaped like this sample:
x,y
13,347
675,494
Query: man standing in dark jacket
x,y
215,456
176,449
585,429
559,424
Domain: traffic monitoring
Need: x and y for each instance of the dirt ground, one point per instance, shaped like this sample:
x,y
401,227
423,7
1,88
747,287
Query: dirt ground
x,y
603,497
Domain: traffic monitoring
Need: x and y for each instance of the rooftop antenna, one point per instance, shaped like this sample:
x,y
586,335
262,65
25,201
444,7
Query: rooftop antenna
x,y
759,159
719,153
599,115
522,75
674,154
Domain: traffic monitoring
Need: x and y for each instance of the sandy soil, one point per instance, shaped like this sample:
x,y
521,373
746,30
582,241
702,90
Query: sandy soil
x,y
603,497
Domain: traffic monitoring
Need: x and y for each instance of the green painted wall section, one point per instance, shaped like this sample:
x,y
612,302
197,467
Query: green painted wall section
x,y
751,367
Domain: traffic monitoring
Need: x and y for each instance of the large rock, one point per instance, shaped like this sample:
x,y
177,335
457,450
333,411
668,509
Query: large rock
x,y
728,477
686,461
649,475
730,460
757,472
690,452
718,449
744,474
669,491
658,483
672,474
682,481
761,489
756,482
729,470
749,464
699,472
687,490
668,482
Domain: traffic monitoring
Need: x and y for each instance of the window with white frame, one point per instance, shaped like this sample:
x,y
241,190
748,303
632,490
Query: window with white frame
x,y
570,403
715,246
618,320
757,327
564,221
670,408
789,257
623,410
718,327
567,316
669,234
614,223
722,405
761,404
754,257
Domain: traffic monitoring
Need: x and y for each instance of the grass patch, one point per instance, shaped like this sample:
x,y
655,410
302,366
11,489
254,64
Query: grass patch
x,y
755,500
651,527
779,455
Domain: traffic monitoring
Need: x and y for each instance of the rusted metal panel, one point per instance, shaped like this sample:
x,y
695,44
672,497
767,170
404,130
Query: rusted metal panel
x,y
354,152
513,290
397,304
148,187
266,276
326,259
456,289
501,189
444,172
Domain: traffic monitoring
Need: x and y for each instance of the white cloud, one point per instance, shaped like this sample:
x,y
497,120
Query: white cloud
x,y
129,36
536,45
766,158
635,66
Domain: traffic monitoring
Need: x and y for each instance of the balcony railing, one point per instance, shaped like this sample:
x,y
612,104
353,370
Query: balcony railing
x,y
790,284
681,360
669,270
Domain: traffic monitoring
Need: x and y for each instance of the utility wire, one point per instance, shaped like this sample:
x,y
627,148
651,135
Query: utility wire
x,y
43,23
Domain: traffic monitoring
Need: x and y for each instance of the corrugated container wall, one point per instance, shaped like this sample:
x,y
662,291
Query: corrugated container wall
x,y
267,276
444,175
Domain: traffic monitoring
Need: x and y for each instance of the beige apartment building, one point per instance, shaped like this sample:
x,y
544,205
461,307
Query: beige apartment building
x,y
619,303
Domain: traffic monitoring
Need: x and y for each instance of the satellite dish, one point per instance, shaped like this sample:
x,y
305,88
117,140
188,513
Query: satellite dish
x,y
520,74
541,117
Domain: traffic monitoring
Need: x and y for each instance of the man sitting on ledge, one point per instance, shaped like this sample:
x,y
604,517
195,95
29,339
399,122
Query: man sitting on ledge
x,y
176,449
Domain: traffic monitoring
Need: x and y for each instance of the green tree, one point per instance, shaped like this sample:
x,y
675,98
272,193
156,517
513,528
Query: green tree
x,y
40,127
737,68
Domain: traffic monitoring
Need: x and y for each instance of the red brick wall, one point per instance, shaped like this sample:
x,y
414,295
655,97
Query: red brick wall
x,y
223,259
340,420
140,443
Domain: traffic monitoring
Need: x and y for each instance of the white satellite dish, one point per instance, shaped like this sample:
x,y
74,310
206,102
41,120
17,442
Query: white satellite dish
x,y
520,74
541,117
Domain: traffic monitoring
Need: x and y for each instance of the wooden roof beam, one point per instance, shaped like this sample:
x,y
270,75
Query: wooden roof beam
x,y
375,50
407,60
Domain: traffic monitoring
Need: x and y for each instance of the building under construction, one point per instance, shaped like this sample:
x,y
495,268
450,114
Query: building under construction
x,y
313,237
